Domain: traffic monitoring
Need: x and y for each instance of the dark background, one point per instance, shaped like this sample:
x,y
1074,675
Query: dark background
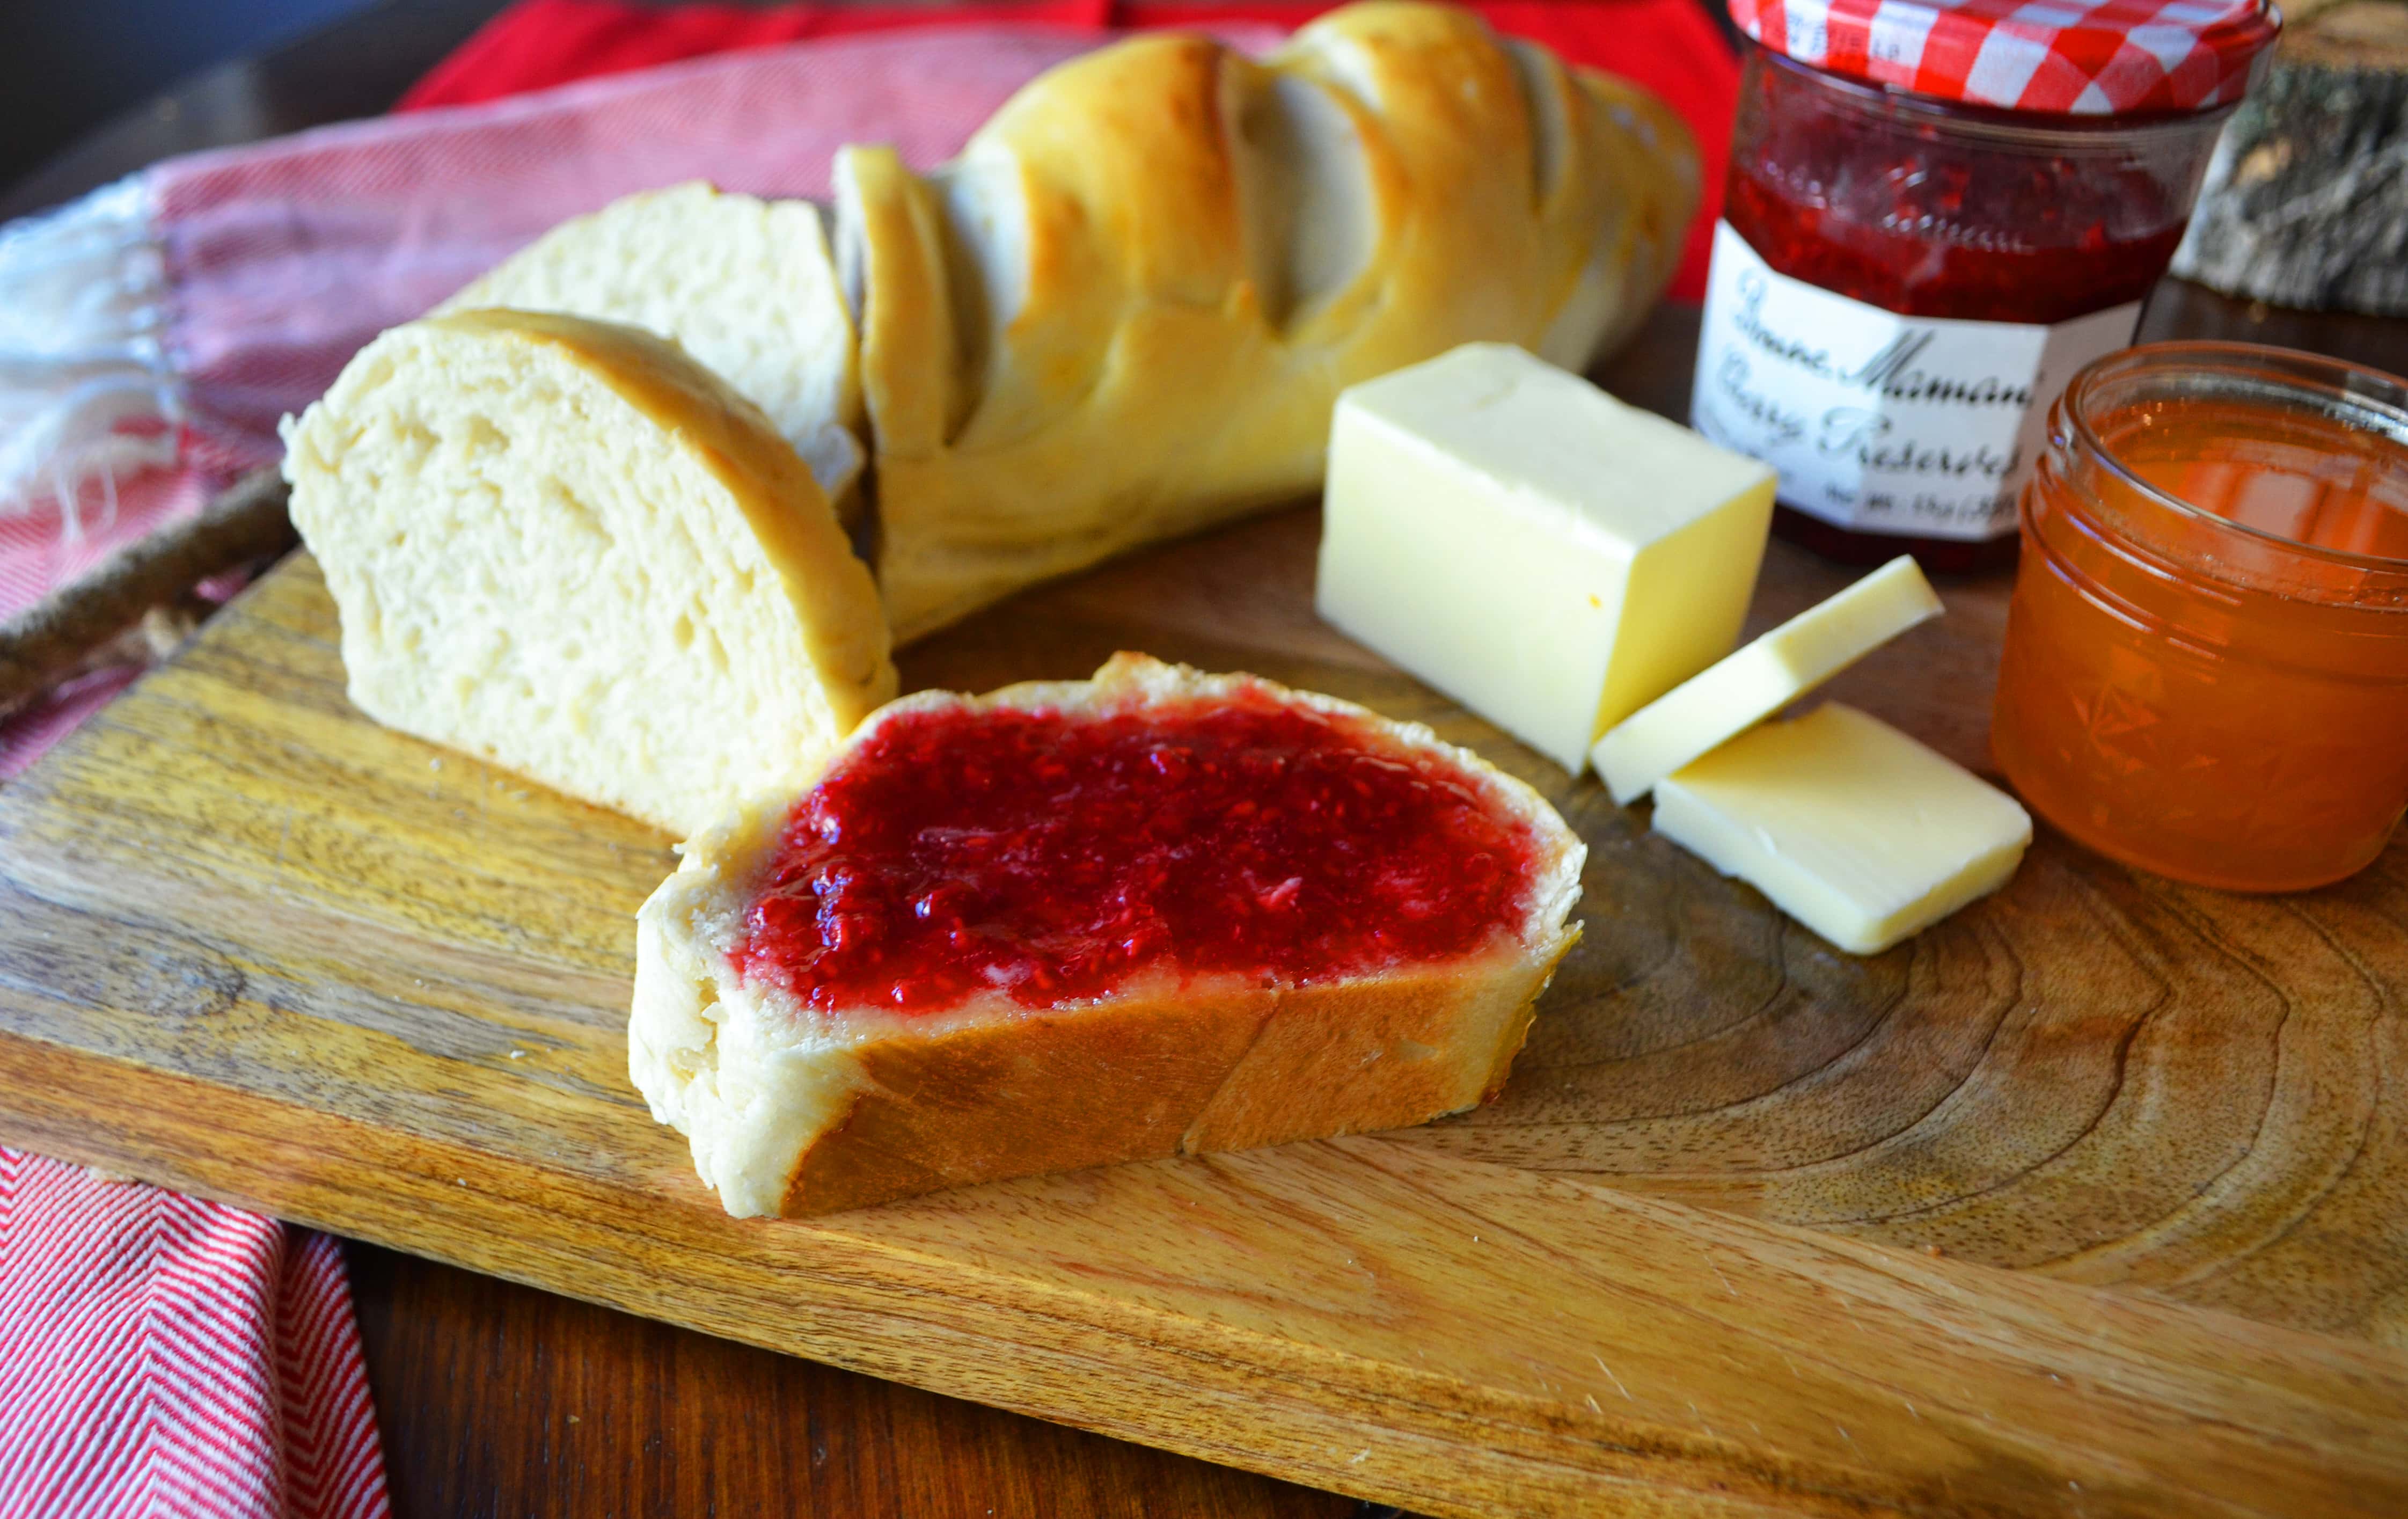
x,y
67,65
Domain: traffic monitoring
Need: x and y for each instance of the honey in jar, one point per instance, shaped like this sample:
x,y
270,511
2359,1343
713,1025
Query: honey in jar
x,y
2206,667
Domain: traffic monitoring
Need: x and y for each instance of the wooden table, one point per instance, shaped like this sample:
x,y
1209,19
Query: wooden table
x,y
574,1409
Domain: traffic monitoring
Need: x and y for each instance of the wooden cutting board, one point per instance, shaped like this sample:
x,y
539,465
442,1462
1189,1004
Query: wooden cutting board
x,y
2093,1200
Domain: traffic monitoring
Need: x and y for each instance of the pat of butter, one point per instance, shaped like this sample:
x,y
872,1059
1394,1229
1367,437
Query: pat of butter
x,y
1546,556
1751,685
1852,827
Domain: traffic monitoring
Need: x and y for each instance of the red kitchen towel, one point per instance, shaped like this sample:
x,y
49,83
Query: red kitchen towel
x,y
163,1356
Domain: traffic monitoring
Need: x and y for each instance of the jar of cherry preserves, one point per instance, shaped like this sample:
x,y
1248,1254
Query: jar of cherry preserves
x,y
1937,211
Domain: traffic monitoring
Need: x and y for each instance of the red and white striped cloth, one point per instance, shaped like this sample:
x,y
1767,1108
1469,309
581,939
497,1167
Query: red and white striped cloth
x,y
161,1355
2069,57
165,1356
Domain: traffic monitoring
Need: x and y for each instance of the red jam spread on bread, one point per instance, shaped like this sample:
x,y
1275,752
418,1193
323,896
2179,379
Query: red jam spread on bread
x,y
1054,855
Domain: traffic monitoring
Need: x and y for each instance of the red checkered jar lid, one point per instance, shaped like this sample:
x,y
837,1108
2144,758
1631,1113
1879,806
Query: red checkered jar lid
x,y
2068,57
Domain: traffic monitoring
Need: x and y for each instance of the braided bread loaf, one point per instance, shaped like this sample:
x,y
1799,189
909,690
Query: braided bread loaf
x,y
1125,311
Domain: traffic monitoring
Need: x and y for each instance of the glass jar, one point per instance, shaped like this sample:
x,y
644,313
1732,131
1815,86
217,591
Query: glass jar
x,y
1906,273
2206,667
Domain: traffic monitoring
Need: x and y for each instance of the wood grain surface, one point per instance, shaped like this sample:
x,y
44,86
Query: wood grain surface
x,y
498,1399
253,946
139,1036
2098,1074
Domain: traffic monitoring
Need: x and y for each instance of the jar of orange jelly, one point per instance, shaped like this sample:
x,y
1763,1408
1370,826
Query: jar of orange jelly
x,y
2206,669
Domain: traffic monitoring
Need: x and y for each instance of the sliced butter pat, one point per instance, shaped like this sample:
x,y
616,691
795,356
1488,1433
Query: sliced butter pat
x,y
1762,679
1852,827
1546,556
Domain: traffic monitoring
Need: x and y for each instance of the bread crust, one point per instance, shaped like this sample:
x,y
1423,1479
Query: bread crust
x,y
903,1105
1082,334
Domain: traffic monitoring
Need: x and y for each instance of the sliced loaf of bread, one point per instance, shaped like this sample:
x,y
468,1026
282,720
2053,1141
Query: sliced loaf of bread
x,y
566,547
745,285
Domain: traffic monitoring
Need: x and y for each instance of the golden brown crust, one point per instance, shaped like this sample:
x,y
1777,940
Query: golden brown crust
x,y
905,320
1039,1091
1121,362
1179,1073
1379,1051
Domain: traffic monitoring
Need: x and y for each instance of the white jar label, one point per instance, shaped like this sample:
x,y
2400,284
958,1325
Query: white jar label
x,y
1920,426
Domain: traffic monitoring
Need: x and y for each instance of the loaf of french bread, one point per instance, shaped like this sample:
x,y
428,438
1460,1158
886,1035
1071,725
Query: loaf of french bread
x,y
1125,311
566,547
1152,913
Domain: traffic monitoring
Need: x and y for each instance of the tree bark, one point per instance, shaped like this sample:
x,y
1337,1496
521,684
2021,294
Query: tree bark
x,y
2306,200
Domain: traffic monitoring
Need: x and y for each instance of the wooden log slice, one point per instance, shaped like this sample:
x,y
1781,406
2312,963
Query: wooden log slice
x,y
2306,199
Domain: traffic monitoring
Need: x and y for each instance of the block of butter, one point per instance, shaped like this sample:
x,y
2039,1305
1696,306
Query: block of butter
x,y
1852,827
1751,685
1550,558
